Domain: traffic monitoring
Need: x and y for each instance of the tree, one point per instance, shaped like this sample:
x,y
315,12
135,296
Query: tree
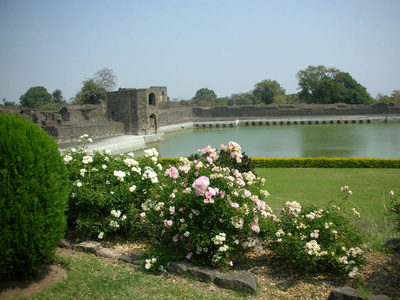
x,y
315,83
205,97
35,97
58,97
103,81
268,90
329,85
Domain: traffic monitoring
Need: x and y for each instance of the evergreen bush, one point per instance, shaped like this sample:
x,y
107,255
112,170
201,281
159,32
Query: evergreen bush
x,y
33,193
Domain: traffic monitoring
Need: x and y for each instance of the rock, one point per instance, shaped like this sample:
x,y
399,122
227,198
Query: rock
x,y
178,267
345,293
109,253
379,297
393,243
63,243
202,273
89,246
129,258
237,281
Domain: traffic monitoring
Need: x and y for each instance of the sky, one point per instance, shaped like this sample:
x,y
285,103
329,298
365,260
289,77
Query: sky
x,y
186,45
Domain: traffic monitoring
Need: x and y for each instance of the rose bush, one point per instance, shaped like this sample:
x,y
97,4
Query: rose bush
x,y
207,212
314,240
108,190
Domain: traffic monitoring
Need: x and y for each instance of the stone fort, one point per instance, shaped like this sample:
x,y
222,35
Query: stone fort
x,y
142,112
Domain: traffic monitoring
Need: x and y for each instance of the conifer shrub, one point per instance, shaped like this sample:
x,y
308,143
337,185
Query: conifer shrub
x,y
33,195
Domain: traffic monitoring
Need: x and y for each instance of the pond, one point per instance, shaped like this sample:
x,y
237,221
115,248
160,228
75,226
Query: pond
x,y
378,140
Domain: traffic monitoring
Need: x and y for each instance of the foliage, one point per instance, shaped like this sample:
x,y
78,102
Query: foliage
x,y
204,97
394,97
33,194
107,191
7,103
103,81
268,91
35,96
313,240
206,212
58,97
329,85
324,162
394,211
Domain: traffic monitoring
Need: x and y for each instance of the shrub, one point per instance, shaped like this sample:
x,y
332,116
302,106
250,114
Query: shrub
x,y
206,211
33,192
107,190
323,162
394,211
313,240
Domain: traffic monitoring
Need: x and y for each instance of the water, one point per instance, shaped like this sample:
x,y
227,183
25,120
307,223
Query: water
x,y
379,140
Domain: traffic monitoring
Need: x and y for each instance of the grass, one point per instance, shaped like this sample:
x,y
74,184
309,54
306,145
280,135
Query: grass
x,y
91,278
319,186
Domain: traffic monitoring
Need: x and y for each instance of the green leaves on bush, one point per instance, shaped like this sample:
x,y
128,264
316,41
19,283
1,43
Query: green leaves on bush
x,y
33,193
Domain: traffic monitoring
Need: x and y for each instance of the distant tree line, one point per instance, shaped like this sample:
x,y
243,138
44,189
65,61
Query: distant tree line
x,y
317,84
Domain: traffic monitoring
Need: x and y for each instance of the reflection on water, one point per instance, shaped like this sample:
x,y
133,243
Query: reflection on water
x,y
328,140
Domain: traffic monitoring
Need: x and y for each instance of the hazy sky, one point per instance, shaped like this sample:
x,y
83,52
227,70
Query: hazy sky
x,y
226,46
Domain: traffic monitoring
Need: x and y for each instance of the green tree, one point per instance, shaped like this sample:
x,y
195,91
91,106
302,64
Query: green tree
x,y
268,90
204,97
316,84
103,81
35,97
329,85
58,97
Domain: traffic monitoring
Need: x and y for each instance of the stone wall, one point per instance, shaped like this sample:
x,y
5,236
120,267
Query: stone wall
x,y
176,114
294,110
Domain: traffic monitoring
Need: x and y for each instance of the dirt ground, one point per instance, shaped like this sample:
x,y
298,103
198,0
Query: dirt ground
x,y
380,276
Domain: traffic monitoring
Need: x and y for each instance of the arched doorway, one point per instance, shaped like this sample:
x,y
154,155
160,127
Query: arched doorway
x,y
153,123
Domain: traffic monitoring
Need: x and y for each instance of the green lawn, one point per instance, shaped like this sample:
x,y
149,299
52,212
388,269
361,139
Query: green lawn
x,y
318,186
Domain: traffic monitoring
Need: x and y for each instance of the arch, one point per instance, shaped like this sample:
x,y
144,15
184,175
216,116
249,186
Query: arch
x,y
368,121
260,123
153,123
197,125
253,123
302,123
266,123
247,123
152,99
316,122
309,122
346,122
353,122
217,125
204,125
361,121
210,125
223,125
231,125
323,122
295,122
331,122
274,123
280,123
143,131
288,123
338,122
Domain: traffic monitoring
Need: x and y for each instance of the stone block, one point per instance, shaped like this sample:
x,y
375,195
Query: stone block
x,y
129,258
393,243
345,293
202,273
237,281
109,253
89,247
178,267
